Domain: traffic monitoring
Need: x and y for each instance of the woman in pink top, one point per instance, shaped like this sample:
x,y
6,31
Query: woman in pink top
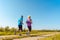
x,y
29,22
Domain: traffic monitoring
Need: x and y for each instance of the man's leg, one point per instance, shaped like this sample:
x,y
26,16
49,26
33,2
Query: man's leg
x,y
20,30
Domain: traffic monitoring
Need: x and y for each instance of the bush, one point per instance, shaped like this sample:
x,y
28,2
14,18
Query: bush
x,y
1,29
7,28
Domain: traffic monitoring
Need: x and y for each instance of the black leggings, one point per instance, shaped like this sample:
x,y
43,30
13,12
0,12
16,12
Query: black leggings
x,y
29,28
20,27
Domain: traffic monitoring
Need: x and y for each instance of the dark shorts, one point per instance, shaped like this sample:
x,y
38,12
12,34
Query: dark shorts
x,y
20,27
29,28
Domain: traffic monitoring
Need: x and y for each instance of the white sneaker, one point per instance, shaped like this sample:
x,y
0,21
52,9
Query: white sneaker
x,y
28,33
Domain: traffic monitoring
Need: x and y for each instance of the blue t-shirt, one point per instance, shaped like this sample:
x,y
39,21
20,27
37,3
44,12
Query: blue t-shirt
x,y
20,21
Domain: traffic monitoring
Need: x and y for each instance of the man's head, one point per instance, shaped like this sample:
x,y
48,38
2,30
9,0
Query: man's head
x,y
22,16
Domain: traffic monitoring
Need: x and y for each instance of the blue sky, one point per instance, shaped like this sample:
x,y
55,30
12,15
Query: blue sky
x,y
45,14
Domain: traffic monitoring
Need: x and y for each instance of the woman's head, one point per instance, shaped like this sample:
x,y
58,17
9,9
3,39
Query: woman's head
x,y
29,16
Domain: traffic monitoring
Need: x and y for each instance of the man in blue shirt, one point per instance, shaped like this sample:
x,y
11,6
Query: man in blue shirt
x,y
20,23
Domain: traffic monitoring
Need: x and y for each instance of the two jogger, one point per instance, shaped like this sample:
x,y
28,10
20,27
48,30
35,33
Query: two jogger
x,y
28,22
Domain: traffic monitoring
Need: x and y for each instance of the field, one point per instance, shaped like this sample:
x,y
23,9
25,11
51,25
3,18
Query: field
x,y
36,32
13,31
33,34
